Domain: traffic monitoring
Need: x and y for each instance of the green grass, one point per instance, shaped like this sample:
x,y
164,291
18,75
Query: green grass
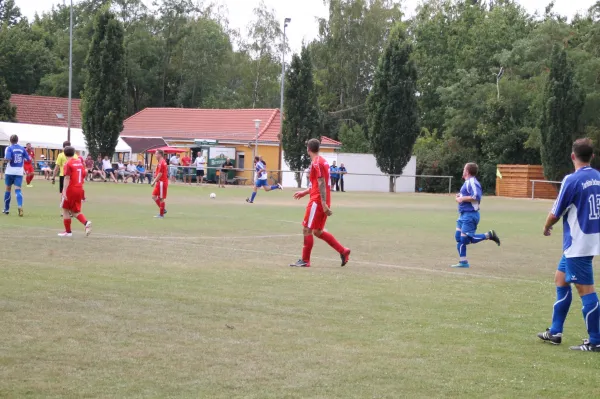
x,y
203,304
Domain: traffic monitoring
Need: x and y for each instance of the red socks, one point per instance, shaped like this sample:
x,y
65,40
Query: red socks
x,y
67,223
82,219
157,202
333,243
307,249
29,179
162,208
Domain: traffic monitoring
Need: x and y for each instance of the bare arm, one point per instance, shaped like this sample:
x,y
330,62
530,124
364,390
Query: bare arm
x,y
158,176
551,220
67,181
323,192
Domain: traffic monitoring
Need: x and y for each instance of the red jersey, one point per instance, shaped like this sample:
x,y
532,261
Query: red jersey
x,y
162,168
76,172
31,154
319,169
186,161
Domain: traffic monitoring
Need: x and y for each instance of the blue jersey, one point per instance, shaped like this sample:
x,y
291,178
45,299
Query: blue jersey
x,y
333,172
578,203
16,157
261,173
471,188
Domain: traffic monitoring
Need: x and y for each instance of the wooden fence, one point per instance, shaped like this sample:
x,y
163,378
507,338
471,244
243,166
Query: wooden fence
x,y
516,182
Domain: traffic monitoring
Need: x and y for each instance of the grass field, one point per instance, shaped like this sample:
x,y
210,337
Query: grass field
x,y
202,304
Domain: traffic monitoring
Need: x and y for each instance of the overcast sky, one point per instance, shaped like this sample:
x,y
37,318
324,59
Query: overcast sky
x,y
305,12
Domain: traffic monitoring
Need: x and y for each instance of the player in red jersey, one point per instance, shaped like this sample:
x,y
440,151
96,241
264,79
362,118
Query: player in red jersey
x,y
73,193
160,184
318,209
28,165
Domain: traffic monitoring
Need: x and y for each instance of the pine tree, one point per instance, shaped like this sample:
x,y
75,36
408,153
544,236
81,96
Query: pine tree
x,y
8,112
559,123
392,106
104,95
301,111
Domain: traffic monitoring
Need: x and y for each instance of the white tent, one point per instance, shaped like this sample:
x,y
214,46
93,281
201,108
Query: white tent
x,y
50,137
3,140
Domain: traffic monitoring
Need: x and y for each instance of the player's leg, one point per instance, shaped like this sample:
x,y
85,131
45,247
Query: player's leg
x,y
580,272
309,240
318,227
66,219
561,307
257,185
18,181
462,240
8,179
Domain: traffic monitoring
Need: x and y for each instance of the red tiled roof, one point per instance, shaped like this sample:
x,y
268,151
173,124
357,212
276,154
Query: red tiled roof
x,y
214,124
40,110
210,124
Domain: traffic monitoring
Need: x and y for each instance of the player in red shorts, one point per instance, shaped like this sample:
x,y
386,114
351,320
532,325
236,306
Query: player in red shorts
x,y
73,193
160,184
28,165
318,210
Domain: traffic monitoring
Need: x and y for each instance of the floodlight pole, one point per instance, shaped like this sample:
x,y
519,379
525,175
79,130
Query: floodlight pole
x,y
70,72
257,127
286,21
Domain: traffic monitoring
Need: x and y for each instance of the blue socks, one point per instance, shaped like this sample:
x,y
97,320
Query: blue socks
x,y
462,248
6,200
19,195
564,297
591,316
275,187
476,238
253,196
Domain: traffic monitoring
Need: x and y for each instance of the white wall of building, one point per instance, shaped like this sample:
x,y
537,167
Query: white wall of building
x,y
364,164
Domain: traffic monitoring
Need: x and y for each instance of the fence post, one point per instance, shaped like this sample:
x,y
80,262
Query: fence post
x,y
533,189
450,185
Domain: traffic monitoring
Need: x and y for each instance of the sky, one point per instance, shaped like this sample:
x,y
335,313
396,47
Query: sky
x,y
304,13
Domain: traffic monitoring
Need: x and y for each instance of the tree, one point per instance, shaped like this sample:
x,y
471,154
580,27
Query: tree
x,y
392,106
104,96
562,105
353,139
8,112
10,14
301,121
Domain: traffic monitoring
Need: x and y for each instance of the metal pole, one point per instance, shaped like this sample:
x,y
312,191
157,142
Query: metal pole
x,y
533,189
280,149
450,185
70,72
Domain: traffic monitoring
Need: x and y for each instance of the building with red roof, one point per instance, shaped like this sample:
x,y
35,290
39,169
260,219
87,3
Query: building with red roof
x,y
47,111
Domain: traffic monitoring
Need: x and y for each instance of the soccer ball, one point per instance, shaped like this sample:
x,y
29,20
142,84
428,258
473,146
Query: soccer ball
x,y
213,195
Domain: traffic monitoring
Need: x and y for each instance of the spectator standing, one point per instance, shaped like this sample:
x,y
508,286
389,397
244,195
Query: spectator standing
x,y
225,168
335,177
174,162
199,162
342,171
186,161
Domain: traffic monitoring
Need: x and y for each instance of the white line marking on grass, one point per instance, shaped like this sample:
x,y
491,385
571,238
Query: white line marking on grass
x,y
263,252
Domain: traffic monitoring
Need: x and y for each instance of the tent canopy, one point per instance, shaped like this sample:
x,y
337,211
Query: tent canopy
x,y
50,137
168,150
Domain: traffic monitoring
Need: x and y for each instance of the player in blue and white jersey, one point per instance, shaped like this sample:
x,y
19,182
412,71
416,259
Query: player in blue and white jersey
x,y
468,200
16,156
261,180
578,203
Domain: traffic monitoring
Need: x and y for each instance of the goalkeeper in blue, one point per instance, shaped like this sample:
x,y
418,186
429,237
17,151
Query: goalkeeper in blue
x,y
578,204
468,200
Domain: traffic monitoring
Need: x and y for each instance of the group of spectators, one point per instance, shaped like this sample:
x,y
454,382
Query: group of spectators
x,y
104,169
336,174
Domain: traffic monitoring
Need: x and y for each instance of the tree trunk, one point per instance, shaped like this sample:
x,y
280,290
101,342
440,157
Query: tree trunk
x,y
392,184
298,176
